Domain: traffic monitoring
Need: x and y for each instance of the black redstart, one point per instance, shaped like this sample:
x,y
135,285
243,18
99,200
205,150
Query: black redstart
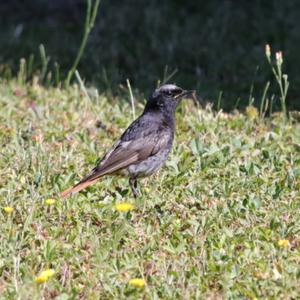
x,y
146,143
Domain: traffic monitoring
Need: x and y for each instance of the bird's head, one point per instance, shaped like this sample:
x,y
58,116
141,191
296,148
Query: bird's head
x,y
168,96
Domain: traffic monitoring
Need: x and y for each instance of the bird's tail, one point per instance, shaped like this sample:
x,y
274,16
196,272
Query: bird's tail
x,y
85,182
77,188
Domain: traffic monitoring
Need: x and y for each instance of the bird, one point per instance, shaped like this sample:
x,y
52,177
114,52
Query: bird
x,y
145,145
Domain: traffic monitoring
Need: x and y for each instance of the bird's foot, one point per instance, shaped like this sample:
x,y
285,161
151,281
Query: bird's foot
x,y
134,188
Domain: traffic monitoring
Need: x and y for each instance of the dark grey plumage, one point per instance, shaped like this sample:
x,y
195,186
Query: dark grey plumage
x,y
146,143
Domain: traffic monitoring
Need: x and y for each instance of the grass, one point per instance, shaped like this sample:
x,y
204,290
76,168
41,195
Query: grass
x,y
219,221
214,45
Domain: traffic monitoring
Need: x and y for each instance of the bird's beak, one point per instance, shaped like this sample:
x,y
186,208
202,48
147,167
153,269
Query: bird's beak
x,y
190,95
186,94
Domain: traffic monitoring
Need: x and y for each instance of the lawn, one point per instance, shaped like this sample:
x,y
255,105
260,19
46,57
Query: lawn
x,y
220,221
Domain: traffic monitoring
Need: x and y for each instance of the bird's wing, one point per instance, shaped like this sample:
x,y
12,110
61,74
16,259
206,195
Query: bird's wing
x,y
126,153
123,154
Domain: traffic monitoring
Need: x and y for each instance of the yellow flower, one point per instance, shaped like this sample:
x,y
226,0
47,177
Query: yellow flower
x,y
137,282
251,112
8,209
45,276
49,273
125,206
41,279
283,243
50,201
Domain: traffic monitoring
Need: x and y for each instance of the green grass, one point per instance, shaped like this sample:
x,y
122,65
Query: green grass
x,y
214,45
206,227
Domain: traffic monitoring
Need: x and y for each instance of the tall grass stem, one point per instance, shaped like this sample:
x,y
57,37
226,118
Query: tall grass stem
x,y
131,99
91,14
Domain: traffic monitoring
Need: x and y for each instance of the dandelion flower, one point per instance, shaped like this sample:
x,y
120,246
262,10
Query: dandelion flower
x,y
50,201
137,282
8,209
124,207
283,243
41,279
49,273
45,276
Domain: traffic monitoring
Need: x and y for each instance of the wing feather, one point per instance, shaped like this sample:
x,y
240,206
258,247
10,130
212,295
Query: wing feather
x,y
130,149
121,156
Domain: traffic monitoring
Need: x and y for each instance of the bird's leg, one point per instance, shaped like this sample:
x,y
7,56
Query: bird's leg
x,y
133,185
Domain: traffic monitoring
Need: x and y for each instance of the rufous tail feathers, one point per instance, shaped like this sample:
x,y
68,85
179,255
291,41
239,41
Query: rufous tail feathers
x,y
78,187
